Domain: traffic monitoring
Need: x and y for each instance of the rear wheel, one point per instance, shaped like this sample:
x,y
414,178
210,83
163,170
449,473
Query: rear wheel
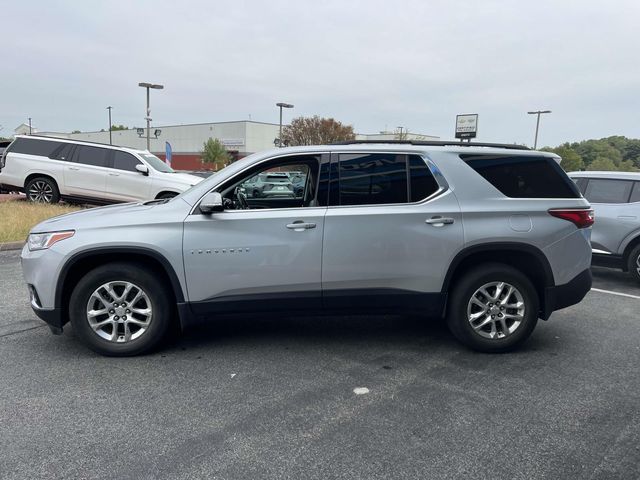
x,y
120,310
493,308
42,190
633,263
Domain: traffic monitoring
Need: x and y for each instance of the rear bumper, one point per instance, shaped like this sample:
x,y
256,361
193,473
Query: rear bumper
x,y
562,296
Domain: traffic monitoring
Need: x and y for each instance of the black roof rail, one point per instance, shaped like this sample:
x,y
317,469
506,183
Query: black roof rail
x,y
436,143
47,137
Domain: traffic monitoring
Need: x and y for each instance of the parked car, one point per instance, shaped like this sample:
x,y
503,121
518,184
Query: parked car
x,y
269,184
615,197
3,146
492,238
49,169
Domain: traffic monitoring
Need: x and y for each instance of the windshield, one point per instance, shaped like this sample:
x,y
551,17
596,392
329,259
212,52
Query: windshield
x,y
156,163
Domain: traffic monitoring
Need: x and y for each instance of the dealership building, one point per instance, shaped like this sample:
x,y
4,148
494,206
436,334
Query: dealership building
x,y
240,138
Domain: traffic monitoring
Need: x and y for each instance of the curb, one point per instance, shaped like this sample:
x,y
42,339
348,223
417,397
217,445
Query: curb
x,y
11,246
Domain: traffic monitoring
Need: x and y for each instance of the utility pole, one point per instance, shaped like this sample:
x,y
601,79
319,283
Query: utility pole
x,y
282,105
148,117
538,113
109,108
29,125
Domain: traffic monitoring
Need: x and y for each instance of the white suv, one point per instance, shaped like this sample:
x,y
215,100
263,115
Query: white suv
x,y
48,169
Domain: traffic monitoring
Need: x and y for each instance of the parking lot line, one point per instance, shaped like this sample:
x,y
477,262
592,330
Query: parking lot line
x,y
616,293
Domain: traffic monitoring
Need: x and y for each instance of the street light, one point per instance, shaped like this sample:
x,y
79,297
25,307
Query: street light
x,y
538,113
109,108
282,105
148,117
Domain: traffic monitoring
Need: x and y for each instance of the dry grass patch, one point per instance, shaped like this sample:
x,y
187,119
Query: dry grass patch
x,y
18,217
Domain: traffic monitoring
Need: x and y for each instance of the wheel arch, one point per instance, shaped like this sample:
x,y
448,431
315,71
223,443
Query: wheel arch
x,y
162,193
77,265
528,259
33,175
631,244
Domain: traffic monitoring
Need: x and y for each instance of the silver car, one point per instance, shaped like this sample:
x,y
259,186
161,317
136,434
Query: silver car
x,y
492,238
615,197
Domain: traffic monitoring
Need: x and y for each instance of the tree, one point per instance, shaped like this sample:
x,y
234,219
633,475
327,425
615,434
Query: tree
x,y
215,154
316,131
115,128
76,131
602,163
571,161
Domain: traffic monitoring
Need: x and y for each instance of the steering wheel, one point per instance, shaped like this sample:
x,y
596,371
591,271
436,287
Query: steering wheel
x,y
241,200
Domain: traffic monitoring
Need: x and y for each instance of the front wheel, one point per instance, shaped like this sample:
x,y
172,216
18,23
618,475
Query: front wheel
x,y
493,308
120,309
633,264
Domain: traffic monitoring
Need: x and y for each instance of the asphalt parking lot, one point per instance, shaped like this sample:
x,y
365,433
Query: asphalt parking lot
x,y
274,398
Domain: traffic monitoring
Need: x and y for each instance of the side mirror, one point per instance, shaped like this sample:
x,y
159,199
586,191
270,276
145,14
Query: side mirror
x,y
212,202
143,169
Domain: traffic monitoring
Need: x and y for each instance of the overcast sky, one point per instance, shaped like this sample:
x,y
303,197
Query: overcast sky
x,y
371,64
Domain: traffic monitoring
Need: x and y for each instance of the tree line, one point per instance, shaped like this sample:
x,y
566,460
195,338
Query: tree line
x,y
611,153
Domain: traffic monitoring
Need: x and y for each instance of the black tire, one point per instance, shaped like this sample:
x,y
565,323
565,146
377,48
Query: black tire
x,y
633,263
460,299
156,292
42,190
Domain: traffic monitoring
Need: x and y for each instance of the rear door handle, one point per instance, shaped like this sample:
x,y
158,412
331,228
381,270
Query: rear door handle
x,y
439,221
114,174
299,226
74,168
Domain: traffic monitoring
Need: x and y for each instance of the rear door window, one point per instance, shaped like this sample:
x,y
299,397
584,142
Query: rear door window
x,y
601,190
635,194
91,156
372,179
422,181
523,176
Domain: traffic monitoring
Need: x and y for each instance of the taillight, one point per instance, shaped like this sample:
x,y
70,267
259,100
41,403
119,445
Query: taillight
x,y
580,217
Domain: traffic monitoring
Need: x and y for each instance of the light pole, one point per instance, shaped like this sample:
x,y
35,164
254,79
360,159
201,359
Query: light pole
x,y
29,125
538,113
109,108
282,105
148,117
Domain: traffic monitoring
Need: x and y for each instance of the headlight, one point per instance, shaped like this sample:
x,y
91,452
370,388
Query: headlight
x,y
41,241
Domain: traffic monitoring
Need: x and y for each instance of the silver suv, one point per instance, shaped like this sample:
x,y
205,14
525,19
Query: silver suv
x,y
615,196
490,237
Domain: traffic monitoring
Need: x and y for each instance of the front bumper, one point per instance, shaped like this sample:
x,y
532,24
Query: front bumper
x,y
562,296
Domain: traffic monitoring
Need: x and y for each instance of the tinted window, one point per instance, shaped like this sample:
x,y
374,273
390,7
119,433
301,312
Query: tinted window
x,y
635,195
372,179
600,190
63,152
92,156
422,182
34,146
523,176
125,161
581,183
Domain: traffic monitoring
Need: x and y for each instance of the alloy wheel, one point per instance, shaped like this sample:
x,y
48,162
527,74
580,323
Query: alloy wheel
x,y
119,311
40,192
496,310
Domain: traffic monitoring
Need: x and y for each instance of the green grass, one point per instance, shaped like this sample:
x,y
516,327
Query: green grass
x,y
17,217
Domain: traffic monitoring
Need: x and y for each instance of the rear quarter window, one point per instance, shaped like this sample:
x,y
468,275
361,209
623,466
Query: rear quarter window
x,y
523,176
34,146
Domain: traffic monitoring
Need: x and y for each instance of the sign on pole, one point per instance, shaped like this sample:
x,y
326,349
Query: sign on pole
x,y
467,125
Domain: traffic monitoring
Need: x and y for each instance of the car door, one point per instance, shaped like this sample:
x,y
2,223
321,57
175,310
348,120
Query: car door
x,y
124,182
615,216
86,174
256,258
391,232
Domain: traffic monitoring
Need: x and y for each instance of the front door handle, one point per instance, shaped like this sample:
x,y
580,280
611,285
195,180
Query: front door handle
x,y
439,221
74,168
299,226
114,174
